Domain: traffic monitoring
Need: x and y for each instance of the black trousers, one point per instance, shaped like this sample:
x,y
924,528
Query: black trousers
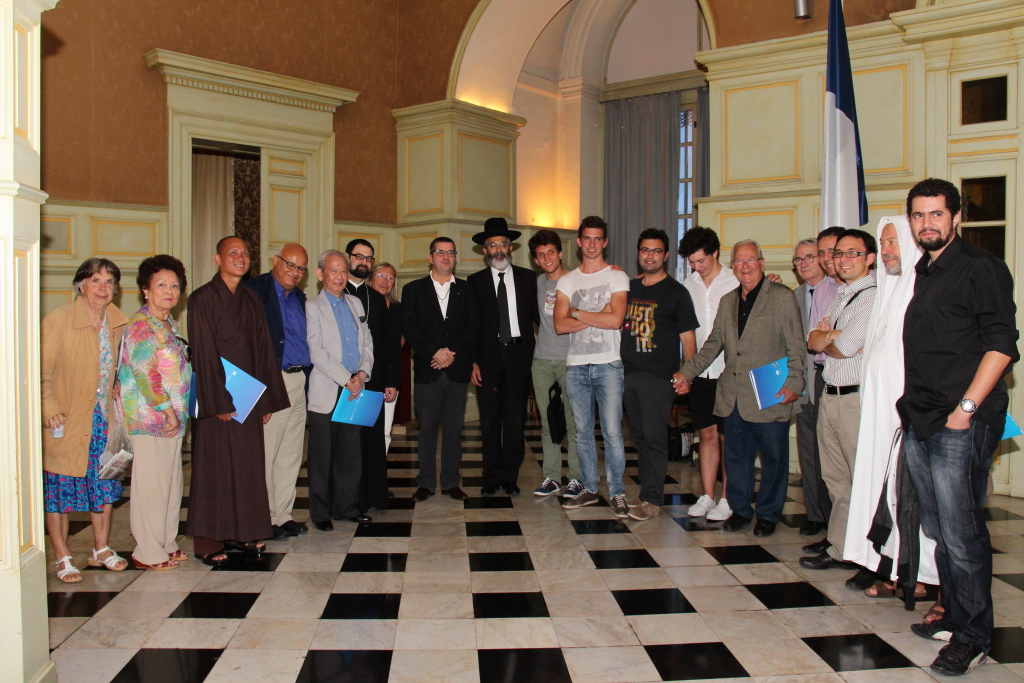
x,y
648,402
334,463
505,386
816,498
441,403
373,491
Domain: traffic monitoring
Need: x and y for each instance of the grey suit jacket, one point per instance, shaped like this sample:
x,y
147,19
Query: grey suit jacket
x,y
805,315
773,331
328,373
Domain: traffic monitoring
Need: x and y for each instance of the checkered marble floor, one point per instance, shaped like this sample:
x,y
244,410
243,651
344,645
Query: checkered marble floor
x,y
507,590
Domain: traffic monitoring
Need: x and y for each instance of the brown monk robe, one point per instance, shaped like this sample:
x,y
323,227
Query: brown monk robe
x,y
228,492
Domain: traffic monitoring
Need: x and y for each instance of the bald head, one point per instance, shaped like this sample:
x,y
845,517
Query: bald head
x,y
289,266
226,243
232,258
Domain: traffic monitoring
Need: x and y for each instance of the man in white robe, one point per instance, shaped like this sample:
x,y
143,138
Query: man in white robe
x,y
881,385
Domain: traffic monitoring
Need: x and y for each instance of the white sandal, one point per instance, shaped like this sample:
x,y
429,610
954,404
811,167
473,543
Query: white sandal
x,y
110,562
70,573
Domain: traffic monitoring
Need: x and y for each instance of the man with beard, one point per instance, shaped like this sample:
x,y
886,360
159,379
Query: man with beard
x,y
373,489
959,339
659,319
506,298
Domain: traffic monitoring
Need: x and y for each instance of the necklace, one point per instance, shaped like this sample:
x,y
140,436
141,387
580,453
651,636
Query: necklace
x,y
445,297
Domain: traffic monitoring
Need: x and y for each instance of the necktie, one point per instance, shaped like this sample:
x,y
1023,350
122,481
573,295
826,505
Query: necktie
x,y
504,326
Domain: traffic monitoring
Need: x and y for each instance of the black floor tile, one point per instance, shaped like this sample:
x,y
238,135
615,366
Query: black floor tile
x,y
215,606
698,524
513,666
599,526
680,499
1000,515
1007,645
653,601
77,604
695,661
345,666
251,562
793,521
413,464
785,595
168,666
400,449
401,504
473,482
374,562
384,529
668,479
402,482
633,463
741,554
489,503
857,652
622,559
1015,580
499,562
493,529
362,606
509,605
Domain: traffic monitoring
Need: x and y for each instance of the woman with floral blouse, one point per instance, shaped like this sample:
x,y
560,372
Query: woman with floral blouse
x,y
156,377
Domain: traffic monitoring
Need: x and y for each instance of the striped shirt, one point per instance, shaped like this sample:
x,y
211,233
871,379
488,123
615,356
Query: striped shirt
x,y
850,315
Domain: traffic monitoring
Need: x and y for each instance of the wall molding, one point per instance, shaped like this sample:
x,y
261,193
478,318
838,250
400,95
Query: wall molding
x,y
230,79
654,85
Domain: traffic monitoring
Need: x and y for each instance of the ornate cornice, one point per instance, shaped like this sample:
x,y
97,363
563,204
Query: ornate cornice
x,y
230,79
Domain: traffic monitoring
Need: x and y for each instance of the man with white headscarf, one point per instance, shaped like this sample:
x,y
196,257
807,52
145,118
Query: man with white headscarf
x,y
882,375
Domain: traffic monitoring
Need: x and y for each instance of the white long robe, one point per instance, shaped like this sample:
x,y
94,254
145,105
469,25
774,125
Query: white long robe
x,y
881,385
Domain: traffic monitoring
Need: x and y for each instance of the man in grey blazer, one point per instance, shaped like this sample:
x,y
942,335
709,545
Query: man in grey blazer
x,y
341,350
758,323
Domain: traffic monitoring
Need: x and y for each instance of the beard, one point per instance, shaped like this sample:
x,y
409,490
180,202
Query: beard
x,y
893,267
936,243
361,271
499,261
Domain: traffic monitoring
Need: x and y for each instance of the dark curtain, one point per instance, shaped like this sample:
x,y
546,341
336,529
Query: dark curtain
x,y
247,209
702,145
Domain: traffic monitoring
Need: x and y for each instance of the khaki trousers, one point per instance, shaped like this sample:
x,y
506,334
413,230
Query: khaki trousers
x,y
155,506
838,425
283,438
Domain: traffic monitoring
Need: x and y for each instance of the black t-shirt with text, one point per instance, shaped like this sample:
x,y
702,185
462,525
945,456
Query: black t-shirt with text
x,y
655,317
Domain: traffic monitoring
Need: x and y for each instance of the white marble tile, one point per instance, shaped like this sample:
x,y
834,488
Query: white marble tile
x,y
572,581
594,631
640,578
807,622
561,560
777,657
582,604
90,666
193,633
721,598
437,562
142,605
504,582
609,665
435,634
533,632
438,582
437,544
312,562
907,675
113,632
257,666
436,606
233,582
379,545
274,634
701,575
288,606
887,617
670,629
301,582
497,544
62,627
354,634
369,582
440,666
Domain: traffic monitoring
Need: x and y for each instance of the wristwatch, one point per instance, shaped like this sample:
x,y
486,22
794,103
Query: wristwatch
x,y
576,313
968,406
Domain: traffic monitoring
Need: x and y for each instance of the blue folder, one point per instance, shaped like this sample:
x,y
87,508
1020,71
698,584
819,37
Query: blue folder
x,y
1011,429
768,381
245,391
362,410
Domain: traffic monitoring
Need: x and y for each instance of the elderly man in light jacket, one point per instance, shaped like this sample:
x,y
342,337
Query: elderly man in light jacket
x,y
341,351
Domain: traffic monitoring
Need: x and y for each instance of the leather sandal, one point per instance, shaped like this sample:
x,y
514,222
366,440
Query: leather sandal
x,y
110,562
249,547
179,556
66,571
163,566
210,561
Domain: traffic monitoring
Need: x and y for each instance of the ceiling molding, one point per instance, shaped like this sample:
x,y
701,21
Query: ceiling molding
x,y
654,85
940,22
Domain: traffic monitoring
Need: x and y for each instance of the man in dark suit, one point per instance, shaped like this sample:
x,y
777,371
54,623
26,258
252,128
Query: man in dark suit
x,y
440,322
507,303
284,305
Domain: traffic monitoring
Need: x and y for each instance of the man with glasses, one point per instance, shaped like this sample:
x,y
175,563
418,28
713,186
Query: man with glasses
x,y
440,321
659,320
758,323
284,304
506,296
841,335
373,489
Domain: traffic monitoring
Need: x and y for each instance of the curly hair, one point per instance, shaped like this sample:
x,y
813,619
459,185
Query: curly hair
x,y
935,187
697,239
154,264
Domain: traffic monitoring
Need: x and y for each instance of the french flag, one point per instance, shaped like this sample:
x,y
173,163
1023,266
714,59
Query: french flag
x,y
843,201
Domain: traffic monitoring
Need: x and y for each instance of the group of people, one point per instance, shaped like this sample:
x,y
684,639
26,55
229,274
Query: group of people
x,y
893,373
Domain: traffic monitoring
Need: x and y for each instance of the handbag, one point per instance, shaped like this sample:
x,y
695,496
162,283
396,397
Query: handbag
x,y
116,459
556,414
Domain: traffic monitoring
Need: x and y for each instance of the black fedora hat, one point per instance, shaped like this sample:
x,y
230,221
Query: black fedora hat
x,y
496,227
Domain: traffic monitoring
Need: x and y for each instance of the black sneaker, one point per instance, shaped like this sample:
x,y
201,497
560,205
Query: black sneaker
x,y
956,659
932,630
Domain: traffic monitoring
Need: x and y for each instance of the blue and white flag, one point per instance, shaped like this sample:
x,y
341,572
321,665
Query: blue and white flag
x,y
843,201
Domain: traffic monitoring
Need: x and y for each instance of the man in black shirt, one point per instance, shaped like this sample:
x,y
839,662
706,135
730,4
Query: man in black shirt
x,y
959,338
659,317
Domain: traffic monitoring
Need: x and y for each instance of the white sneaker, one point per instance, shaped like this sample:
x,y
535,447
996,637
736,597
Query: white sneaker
x,y
701,507
720,512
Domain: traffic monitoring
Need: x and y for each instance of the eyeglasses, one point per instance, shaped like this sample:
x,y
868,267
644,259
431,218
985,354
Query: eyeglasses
x,y
186,349
656,251
806,259
445,252
386,278
746,261
495,245
293,266
848,254
360,257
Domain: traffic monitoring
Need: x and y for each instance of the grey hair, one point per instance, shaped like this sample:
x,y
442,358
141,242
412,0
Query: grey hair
x,y
809,242
749,243
385,264
95,265
321,262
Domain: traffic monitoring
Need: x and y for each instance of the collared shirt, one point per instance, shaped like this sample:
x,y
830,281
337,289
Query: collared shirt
x,y
443,291
850,313
747,304
824,294
962,309
510,292
349,331
293,320
705,305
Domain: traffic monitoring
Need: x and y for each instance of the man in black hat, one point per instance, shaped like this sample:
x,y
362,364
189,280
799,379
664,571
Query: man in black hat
x,y
507,303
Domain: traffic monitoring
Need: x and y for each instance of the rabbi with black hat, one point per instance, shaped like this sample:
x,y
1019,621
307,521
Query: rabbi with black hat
x,y
507,301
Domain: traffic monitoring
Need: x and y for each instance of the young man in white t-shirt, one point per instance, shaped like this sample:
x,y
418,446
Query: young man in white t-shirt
x,y
590,305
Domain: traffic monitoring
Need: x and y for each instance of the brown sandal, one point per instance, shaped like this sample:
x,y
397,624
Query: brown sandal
x,y
934,614
163,566
884,589
179,556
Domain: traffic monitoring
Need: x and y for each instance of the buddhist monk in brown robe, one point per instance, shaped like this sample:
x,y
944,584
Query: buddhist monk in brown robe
x,y
228,508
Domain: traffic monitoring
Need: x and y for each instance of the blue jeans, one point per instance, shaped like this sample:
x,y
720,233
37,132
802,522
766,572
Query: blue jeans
x,y
743,440
602,383
950,473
